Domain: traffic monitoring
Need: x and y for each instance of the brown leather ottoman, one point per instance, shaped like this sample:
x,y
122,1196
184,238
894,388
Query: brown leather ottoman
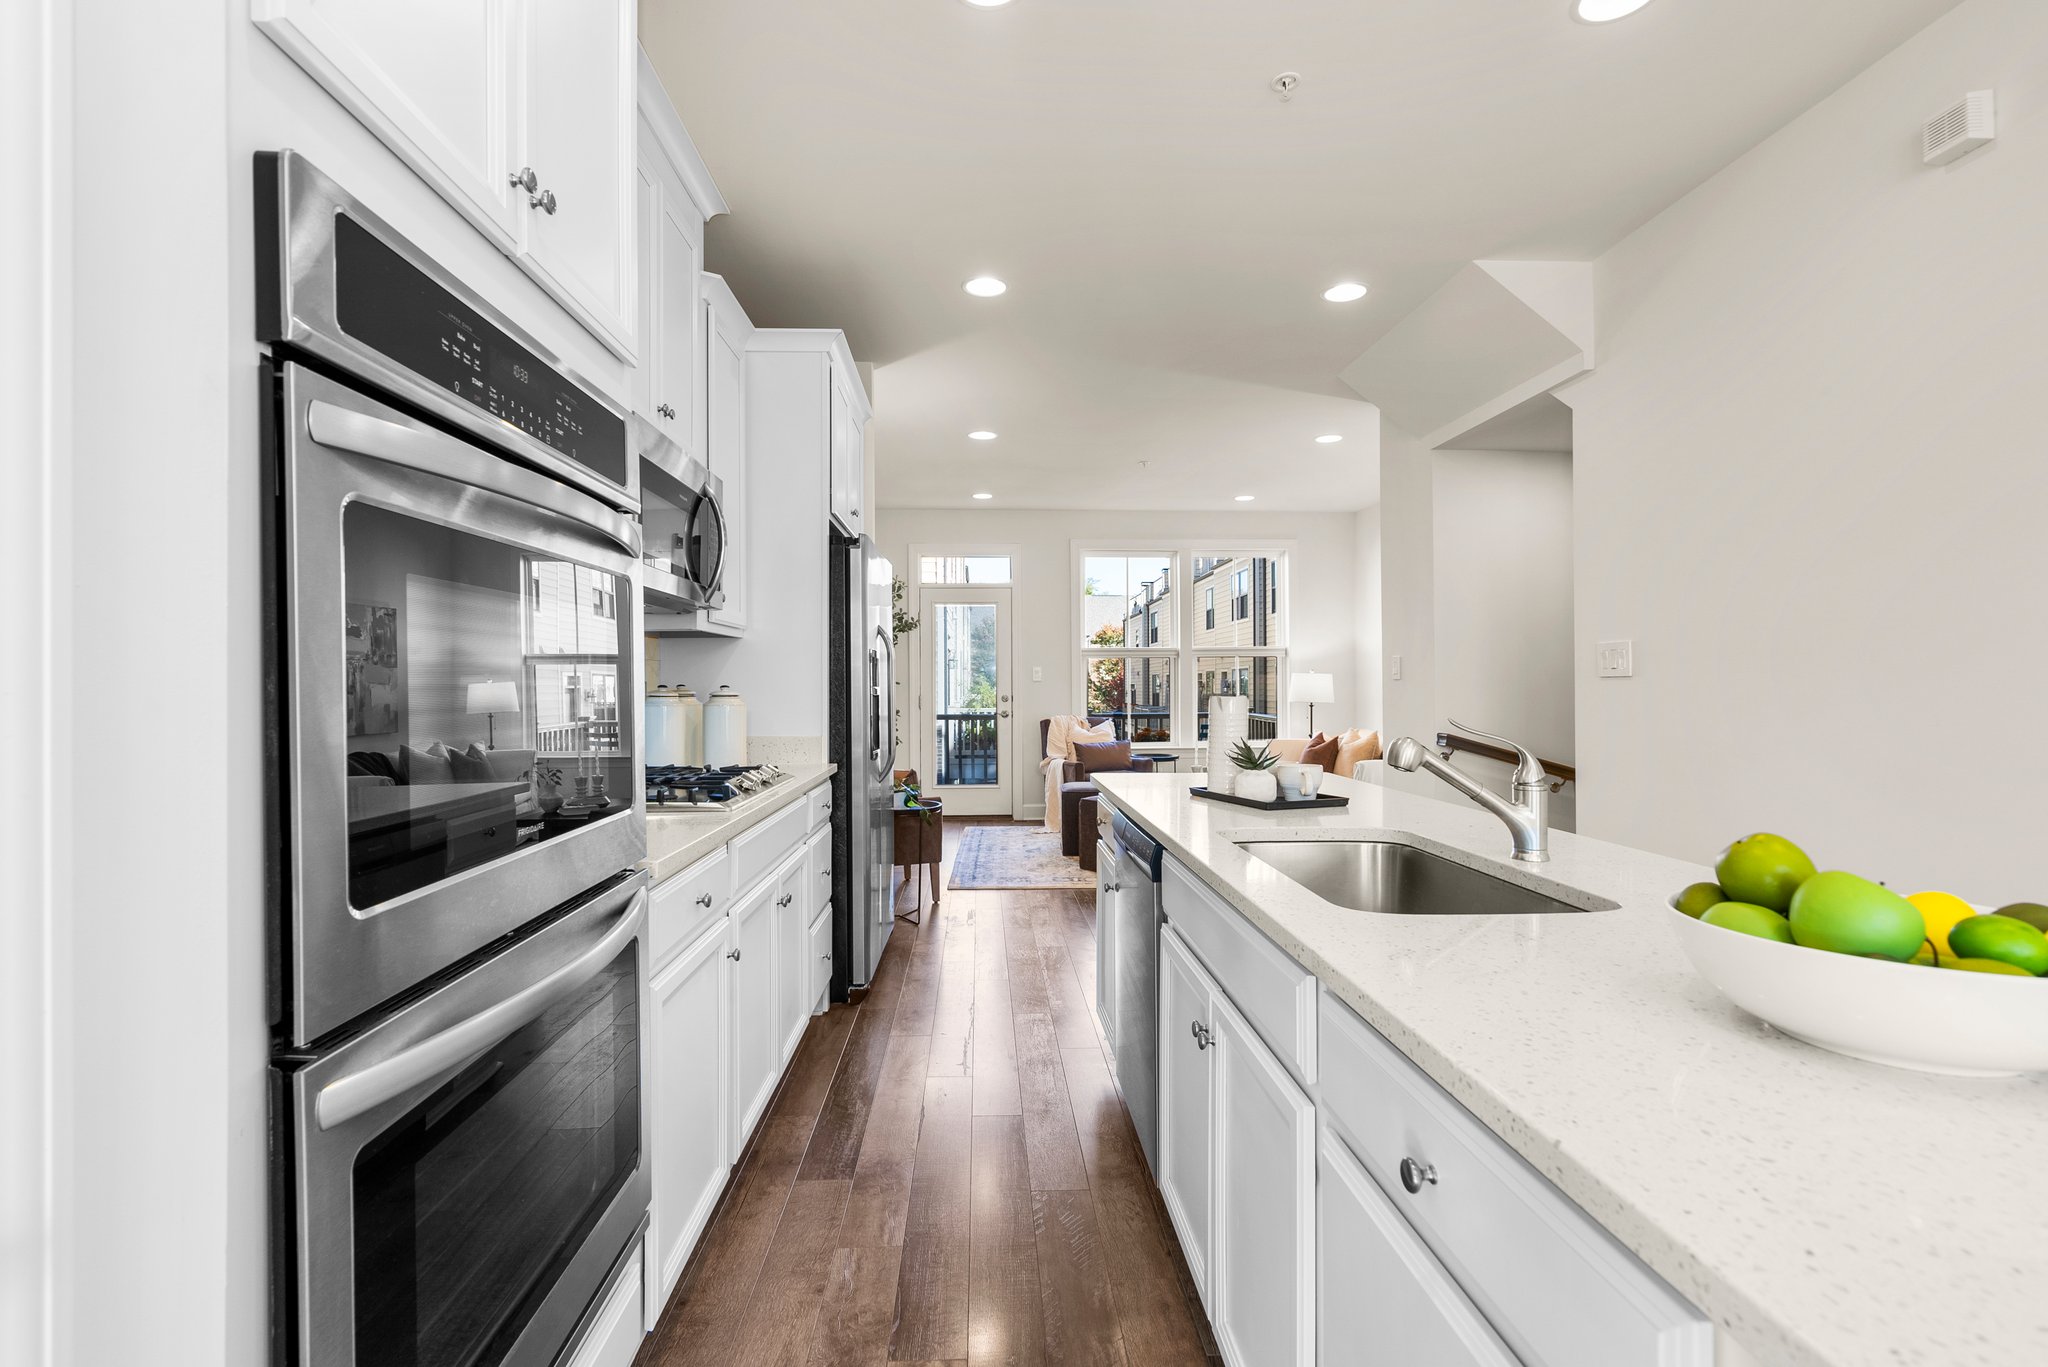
x,y
1090,814
1071,796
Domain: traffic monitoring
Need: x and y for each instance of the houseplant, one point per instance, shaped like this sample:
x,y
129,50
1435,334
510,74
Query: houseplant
x,y
1255,780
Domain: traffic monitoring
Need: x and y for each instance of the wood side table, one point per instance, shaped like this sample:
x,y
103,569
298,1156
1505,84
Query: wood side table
x,y
920,838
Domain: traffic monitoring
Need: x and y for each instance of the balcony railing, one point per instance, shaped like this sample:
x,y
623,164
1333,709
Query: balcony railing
x,y
965,744
1263,725
1139,725
591,736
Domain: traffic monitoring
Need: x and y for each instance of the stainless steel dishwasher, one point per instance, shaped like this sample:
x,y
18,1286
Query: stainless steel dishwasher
x,y
1135,942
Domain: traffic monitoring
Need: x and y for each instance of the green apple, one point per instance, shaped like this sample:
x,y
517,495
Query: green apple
x,y
1986,966
1697,897
1763,870
1750,920
2033,913
1850,915
2002,938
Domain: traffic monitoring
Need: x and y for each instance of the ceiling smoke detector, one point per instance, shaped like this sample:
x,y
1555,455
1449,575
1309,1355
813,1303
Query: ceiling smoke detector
x,y
1284,84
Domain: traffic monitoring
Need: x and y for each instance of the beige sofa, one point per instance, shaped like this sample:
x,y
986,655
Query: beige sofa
x,y
1289,748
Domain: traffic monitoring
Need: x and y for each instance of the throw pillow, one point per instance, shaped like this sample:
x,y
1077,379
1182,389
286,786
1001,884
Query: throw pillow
x,y
430,765
1367,746
472,765
1321,750
1103,757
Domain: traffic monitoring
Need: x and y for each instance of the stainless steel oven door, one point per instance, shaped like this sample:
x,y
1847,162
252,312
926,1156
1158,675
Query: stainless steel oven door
x,y
459,698
470,1168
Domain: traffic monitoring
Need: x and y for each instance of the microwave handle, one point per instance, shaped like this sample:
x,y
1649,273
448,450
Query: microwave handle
x,y
345,1098
417,448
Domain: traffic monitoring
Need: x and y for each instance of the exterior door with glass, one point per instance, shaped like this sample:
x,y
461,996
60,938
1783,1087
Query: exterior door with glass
x,y
964,649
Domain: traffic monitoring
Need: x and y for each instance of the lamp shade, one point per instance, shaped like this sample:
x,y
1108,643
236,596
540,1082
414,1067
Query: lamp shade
x,y
493,697
1306,686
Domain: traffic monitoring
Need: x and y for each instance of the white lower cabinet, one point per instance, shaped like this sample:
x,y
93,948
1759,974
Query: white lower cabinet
x,y
792,947
1106,893
1184,1101
1384,1300
689,1101
820,950
614,1336
756,1046
1262,1234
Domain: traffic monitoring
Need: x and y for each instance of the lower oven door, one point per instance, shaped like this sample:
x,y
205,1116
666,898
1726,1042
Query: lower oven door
x,y
469,1169
457,696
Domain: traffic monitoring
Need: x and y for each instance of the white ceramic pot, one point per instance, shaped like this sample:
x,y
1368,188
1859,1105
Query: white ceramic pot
x,y
1257,785
1907,1015
1229,723
675,726
725,729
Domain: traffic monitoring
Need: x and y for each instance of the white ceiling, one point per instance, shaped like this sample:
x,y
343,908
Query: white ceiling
x,y
1167,224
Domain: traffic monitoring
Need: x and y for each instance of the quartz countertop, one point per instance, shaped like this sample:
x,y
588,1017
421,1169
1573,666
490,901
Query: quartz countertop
x,y
678,839
1824,1211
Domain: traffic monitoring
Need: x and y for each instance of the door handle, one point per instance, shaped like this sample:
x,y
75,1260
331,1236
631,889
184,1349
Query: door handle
x,y
345,1098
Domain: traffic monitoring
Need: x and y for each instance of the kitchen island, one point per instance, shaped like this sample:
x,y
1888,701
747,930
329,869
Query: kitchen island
x,y
1823,1212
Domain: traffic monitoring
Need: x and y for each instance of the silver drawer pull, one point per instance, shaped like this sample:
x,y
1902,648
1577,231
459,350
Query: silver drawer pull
x,y
704,900
1414,1175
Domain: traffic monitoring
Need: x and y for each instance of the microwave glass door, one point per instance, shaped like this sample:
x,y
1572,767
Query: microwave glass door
x,y
468,1208
483,686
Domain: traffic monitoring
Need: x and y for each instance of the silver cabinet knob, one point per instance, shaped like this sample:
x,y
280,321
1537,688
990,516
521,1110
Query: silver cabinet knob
x,y
1203,1038
704,900
1112,887
525,179
1415,1175
544,201
733,954
826,957
785,899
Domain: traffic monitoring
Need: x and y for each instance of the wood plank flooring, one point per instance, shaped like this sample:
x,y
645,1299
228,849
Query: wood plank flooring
x,y
948,1174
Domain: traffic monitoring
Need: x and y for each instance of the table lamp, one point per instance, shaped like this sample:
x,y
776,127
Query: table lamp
x,y
1311,688
491,698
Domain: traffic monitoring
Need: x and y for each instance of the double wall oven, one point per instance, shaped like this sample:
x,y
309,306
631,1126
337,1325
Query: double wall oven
x,y
458,938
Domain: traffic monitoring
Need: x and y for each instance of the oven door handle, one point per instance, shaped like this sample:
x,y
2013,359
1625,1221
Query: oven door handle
x,y
345,1098
417,448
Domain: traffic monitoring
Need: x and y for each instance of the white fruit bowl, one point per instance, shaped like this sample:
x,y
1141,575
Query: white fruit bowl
x,y
1906,1015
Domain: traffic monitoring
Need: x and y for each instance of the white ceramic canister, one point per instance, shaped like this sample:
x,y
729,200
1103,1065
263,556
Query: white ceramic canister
x,y
1229,723
725,728
675,726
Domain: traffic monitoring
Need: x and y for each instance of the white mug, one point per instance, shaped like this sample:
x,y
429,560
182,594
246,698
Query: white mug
x,y
1289,776
1310,780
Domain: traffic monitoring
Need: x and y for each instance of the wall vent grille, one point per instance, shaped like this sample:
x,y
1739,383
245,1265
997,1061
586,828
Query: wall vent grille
x,y
1961,128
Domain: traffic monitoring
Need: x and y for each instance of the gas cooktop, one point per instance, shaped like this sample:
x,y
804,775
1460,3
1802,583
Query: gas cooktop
x,y
672,787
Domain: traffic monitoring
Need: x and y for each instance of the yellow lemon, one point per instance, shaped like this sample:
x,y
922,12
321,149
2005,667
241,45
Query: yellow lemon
x,y
1941,911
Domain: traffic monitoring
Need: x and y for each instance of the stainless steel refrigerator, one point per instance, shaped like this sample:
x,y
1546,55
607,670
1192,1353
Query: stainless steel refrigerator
x,y
863,686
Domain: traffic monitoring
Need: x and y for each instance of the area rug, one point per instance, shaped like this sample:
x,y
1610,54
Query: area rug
x,y
1017,856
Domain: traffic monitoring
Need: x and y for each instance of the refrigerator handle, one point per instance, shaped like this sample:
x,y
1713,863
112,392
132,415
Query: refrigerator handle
x,y
883,662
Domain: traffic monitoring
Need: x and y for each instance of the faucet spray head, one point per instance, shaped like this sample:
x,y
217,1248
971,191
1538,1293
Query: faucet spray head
x,y
1406,754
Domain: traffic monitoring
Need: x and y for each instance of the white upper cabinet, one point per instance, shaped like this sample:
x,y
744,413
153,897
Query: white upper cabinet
x,y
519,112
849,425
726,330
579,140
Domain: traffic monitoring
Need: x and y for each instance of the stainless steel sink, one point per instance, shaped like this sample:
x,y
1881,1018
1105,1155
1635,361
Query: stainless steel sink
x,y
1383,875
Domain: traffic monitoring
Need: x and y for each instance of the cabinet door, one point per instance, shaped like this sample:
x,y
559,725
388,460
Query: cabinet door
x,y
578,126
1184,1095
821,960
434,82
756,1057
792,954
678,258
818,866
1262,1230
646,215
1105,941
688,1121
724,421
845,497
1384,1300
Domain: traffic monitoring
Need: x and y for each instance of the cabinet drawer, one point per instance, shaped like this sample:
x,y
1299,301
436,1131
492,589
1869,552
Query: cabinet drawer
x,y
818,806
1555,1285
681,906
818,872
755,854
1275,993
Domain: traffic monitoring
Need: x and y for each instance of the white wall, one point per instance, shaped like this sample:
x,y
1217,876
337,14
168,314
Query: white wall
x,y
1408,597
1322,615
1370,693
1810,478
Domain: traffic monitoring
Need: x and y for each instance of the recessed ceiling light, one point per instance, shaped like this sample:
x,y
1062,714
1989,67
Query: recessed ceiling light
x,y
984,286
1350,289
1327,438
1245,498
981,436
1605,11
988,4
984,495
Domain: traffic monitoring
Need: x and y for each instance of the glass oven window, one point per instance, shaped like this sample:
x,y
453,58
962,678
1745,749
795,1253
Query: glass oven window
x,y
482,686
469,1207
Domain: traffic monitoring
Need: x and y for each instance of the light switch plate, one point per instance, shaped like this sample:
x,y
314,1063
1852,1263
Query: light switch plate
x,y
1617,659
1397,668
1038,673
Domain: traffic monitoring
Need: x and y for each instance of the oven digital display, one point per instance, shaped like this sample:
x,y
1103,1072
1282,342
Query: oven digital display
x,y
383,300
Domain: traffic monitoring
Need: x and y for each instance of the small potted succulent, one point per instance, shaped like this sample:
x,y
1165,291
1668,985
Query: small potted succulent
x,y
1255,780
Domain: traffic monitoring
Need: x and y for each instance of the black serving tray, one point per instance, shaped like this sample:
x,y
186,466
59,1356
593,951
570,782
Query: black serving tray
x,y
1278,804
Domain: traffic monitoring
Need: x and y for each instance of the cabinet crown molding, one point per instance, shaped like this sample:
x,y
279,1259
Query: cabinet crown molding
x,y
660,112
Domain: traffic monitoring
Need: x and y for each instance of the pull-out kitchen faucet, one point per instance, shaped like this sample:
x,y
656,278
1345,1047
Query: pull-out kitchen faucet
x,y
1527,817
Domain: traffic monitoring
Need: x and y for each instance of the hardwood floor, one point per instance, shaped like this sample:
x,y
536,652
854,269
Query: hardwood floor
x,y
948,1174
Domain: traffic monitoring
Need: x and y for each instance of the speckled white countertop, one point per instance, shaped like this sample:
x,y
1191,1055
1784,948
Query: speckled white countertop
x,y
678,839
1824,1211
